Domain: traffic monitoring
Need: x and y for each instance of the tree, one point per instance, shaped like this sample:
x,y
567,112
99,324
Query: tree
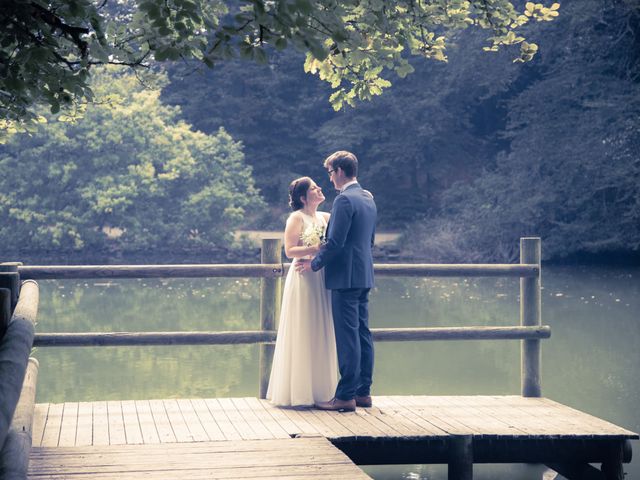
x,y
273,111
47,49
436,126
126,175
571,171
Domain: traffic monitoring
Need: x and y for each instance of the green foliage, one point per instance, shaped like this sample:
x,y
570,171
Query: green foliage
x,y
127,174
47,49
433,127
275,112
570,174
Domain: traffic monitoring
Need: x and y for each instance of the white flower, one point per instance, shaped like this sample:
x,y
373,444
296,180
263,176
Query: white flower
x,y
313,235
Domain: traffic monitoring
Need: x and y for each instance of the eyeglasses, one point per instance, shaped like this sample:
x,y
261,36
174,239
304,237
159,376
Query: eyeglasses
x,y
332,171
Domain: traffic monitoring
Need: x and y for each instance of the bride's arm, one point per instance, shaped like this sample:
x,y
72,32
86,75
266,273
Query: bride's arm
x,y
292,246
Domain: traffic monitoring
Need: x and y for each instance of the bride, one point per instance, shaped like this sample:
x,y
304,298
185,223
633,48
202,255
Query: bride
x,y
305,365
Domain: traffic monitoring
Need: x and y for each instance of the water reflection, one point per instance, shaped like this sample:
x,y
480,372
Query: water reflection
x,y
589,363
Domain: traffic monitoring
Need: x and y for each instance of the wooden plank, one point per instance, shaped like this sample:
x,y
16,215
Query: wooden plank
x,y
280,458
432,420
84,433
192,420
527,424
147,422
390,413
142,460
356,424
241,425
228,429
534,422
333,426
298,446
493,422
117,434
543,420
51,433
209,424
131,421
278,415
321,422
40,413
69,425
311,471
468,416
599,425
266,418
178,425
163,425
445,410
373,417
251,418
100,424
303,420
272,445
404,407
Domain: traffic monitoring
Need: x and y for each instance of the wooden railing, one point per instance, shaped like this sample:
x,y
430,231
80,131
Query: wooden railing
x,y
18,372
271,270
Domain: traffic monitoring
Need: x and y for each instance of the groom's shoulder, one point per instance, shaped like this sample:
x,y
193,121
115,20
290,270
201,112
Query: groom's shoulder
x,y
358,192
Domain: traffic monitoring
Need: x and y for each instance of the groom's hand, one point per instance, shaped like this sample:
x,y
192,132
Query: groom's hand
x,y
303,266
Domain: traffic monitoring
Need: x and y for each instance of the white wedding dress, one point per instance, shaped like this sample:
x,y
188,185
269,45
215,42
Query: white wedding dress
x,y
305,363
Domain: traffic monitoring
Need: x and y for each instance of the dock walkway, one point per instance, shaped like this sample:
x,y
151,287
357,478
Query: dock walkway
x,y
209,438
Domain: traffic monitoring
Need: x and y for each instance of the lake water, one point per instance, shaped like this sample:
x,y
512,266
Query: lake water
x,y
590,362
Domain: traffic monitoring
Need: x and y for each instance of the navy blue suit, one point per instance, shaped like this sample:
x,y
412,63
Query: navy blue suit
x,y
348,263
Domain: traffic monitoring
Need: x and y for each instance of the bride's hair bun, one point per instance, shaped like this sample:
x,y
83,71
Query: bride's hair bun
x,y
298,189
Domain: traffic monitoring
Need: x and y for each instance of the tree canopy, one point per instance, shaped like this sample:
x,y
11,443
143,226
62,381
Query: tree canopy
x,y
468,155
571,169
48,48
127,175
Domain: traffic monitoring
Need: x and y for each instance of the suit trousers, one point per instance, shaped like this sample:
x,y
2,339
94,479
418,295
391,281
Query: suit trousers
x,y
354,343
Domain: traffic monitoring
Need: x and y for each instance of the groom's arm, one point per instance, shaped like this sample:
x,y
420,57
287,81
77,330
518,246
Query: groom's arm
x,y
341,215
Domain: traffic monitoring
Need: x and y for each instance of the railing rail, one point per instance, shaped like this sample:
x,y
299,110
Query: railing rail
x,y
267,270
110,339
271,270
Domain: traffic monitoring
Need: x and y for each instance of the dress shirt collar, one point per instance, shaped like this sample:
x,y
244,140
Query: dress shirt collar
x,y
348,184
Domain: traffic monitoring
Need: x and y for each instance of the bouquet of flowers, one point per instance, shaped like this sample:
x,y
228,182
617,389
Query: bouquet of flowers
x,y
313,235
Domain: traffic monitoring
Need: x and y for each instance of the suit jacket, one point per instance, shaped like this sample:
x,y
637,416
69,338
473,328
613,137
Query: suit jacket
x,y
347,257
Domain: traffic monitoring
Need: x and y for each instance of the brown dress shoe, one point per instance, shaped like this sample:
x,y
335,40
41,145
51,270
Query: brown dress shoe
x,y
337,405
364,401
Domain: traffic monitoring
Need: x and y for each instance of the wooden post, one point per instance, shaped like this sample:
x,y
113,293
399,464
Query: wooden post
x,y
5,310
14,456
15,348
612,466
270,300
460,457
10,279
530,315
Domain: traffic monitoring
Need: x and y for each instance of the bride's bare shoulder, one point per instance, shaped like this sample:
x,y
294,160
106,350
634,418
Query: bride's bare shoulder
x,y
325,215
294,218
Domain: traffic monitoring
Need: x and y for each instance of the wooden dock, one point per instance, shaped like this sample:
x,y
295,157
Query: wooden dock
x,y
220,438
265,459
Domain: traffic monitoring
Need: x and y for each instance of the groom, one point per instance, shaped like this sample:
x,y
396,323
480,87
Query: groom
x,y
348,264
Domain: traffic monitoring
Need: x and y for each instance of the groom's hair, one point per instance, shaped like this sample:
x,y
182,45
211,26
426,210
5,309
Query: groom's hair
x,y
347,161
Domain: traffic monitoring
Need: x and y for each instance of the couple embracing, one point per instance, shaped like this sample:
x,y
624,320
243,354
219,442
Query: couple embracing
x,y
324,321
